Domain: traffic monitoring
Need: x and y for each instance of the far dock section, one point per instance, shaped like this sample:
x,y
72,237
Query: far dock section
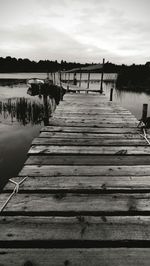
x,y
85,199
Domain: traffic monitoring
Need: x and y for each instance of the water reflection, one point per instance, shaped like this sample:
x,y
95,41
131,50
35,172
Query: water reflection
x,y
26,111
21,118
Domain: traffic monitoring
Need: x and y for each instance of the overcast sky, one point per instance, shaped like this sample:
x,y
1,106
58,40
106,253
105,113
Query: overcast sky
x,y
76,30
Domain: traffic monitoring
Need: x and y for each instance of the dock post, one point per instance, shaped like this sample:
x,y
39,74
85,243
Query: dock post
x,y
46,116
54,80
111,94
67,86
144,111
80,79
88,82
102,75
74,80
60,77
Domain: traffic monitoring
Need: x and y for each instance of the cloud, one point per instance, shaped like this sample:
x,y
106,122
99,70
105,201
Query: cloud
x,y
75,30
38,42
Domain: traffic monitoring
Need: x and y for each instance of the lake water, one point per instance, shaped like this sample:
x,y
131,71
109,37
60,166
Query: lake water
x,y
21,117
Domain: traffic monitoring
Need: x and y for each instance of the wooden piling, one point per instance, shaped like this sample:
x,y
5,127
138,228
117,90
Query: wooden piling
x,y
60,77
80,79
74,79
67,86
102,75
46,115
111,94
68,77
54,79
88,81
144,111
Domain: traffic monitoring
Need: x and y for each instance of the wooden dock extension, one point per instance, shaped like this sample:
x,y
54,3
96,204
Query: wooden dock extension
x,y
86,197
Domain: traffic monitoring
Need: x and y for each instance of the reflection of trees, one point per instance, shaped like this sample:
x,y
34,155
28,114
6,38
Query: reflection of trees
x,y
24,111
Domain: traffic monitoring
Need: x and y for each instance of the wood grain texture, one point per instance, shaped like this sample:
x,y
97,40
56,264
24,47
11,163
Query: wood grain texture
x,y
79,183
110,150
87,129
76,257
71,203
81,170
89,142
99,124
104,228
85,135
88,160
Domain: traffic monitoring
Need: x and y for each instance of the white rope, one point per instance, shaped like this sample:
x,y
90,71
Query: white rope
x,y
15,191
142,125
144,135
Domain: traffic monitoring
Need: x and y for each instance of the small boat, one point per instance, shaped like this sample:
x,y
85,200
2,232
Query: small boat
x,y
35,81
35,86
45,87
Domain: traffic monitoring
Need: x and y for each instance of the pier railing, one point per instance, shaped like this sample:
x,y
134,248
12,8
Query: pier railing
x,y
73,80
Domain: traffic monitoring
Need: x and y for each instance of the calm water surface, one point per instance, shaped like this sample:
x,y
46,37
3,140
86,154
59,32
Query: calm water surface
x,y
133,101
21,118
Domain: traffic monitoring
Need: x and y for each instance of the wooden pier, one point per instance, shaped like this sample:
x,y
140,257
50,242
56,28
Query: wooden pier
x,y
86,197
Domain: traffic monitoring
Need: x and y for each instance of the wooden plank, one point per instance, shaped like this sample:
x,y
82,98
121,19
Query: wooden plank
x,y
91,120
87,129
75,103
97,116
103,109
92,124
82,89
105,228
96,104
81,184
81,135
92,112
94,118
114,150
85,103
81,170
88,160
75,257
84,96
75,100
87,108
62,204
89,142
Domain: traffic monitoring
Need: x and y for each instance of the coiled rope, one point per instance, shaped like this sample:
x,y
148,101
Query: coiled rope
x,y
15,191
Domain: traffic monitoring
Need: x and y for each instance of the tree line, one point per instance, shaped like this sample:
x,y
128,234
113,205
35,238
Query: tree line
x,y
11,64
128,76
